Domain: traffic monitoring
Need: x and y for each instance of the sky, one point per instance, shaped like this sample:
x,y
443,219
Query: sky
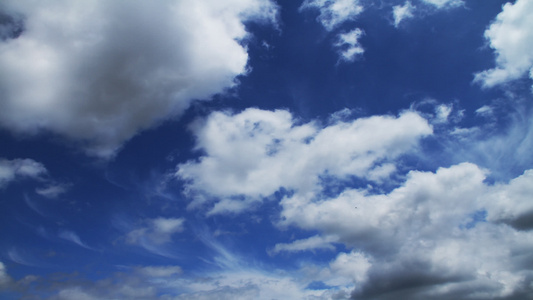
x,y
266,149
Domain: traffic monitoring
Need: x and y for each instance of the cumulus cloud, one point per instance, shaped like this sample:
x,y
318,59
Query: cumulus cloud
x,y
11,170
334,12
98,72
349,46
437,236
253,154
402,12
511,37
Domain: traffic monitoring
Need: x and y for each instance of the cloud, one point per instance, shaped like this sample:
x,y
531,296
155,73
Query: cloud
x,y
5,279
158,230
439,235
444,3
349,46
402,12
334,12
511,38
11,170
153,235
53,190
311,243
74,238
99,72
253,154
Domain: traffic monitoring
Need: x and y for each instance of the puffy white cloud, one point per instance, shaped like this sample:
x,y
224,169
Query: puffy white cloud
x,y
253,154
20,168
98,72
510,202
511,37
349,46
334,12
402,12
438,235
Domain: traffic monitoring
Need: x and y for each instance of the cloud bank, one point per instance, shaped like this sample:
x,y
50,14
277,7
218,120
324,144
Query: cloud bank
x,y
98,72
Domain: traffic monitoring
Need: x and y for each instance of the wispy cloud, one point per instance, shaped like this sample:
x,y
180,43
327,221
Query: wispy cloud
x,y
334,12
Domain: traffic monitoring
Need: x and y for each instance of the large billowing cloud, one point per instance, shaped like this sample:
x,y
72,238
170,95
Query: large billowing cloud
x,y
98,71
511,37
253,154
440,235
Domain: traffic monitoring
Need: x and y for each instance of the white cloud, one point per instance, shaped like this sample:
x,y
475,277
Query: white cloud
x,y
485,111
20,168
5,279
511,37
349,46
98,72
334,12
402,12
430,232
74,238
159,271
253,154
311,243
154,235
53,190
444,3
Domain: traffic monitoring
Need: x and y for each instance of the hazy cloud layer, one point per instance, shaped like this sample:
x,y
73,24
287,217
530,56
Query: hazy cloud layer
x,y
98,72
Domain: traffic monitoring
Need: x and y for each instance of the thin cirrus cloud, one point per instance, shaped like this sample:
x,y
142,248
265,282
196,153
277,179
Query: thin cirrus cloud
x,y
99,72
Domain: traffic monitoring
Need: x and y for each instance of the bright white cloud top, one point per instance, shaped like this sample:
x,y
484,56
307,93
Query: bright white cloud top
x,y
264,149
99,72
511,37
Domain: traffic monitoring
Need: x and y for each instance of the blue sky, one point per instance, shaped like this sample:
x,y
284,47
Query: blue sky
x,y
262,149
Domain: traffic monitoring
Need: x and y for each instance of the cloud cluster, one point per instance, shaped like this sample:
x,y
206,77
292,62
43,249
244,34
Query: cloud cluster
x,y
98,72
349,46
255,153
436,235
511,37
